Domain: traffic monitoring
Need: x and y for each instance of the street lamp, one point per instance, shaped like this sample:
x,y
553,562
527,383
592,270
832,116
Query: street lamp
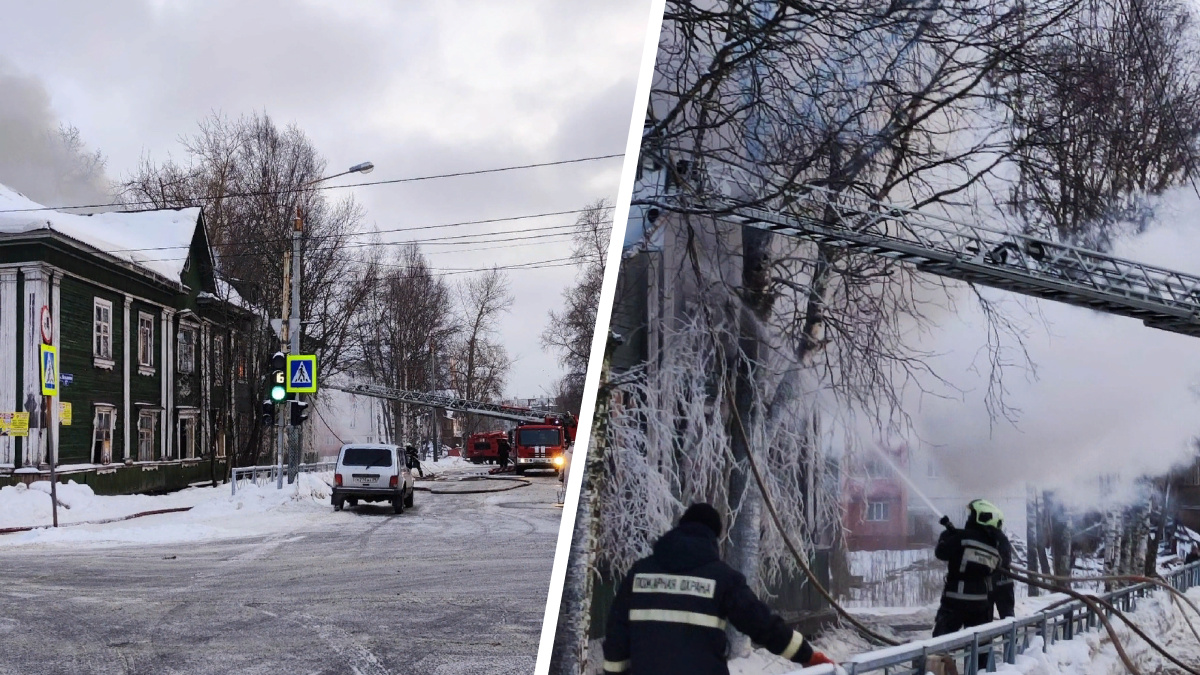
x,y
294,331
361,167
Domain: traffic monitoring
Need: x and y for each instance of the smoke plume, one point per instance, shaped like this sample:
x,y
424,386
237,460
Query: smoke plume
x,y
40,156
1107,395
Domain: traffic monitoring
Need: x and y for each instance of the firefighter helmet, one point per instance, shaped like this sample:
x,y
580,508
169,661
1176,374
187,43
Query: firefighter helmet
x,y
986,513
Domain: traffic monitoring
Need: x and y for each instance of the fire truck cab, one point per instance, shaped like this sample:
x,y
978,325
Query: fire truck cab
x,y
541,445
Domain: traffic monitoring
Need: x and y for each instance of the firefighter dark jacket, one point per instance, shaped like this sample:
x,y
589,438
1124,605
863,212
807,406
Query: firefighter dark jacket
x,y
978,556
670,613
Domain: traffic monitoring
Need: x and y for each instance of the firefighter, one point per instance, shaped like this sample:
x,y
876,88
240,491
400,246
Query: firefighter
x,y
978,554
670,612
502,446
414,459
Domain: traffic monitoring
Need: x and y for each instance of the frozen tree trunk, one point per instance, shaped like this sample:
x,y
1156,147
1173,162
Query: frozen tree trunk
x,y
745,530
1060,537
570,656
1031,538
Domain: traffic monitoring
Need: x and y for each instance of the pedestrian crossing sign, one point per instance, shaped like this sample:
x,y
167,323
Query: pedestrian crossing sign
x,y
49,371
302,373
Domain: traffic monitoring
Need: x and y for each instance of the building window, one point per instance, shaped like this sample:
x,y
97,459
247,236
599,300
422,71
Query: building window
x,y
187,436
218,360
146,341
146,421
185,343
102,333
877,511
102,432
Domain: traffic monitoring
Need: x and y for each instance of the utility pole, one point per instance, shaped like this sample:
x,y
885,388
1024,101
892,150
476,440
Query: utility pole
x,y
294,341
285,331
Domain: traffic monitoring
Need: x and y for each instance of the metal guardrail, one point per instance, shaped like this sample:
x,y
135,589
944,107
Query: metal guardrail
x,y
1001,641
264,475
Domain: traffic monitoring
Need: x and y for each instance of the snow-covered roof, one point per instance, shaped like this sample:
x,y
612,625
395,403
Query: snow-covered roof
x,y
156,241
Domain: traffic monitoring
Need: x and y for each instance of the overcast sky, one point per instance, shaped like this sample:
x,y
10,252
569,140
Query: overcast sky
x,y
416,88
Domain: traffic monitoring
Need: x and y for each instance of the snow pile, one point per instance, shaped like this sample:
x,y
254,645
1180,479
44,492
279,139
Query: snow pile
x,y
216,514
22,506
1093,653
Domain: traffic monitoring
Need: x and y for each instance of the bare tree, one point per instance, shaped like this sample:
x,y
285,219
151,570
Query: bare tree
x,y
480,361
570,331
253,178
406,317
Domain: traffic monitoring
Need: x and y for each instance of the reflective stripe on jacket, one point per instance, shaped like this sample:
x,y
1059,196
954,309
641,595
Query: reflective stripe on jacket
x,y
671,611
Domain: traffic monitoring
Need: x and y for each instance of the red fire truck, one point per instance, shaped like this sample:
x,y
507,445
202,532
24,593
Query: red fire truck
x,y
540,441
485,447
543,445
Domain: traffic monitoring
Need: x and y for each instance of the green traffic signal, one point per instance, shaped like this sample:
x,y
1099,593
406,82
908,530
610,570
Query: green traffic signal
x,y
278,393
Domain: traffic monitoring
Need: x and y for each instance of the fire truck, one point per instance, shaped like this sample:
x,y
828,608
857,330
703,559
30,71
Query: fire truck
x,y
485,447
540,440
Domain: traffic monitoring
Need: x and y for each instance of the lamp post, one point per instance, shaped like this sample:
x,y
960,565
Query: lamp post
x,y
294,435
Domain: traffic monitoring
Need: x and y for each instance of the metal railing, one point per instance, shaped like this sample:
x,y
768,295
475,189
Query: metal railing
x,y
265,475
1001,641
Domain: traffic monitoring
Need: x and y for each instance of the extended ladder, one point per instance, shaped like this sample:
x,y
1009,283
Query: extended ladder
x,y
454,403
1160,297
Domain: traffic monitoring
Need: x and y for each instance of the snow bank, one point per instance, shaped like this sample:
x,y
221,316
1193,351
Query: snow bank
x,y
22,506
216,514
1089,654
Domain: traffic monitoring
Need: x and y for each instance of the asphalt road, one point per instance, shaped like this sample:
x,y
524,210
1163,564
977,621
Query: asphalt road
x,y
456,584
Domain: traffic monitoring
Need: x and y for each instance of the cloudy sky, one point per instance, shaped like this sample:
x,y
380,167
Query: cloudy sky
x,y
416,88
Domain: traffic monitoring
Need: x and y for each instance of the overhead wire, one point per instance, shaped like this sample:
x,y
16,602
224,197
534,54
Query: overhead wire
x,y
305,188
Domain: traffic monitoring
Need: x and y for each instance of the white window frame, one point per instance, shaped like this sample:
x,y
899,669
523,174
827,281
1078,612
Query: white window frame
x,y
103,434
185,348
878,512
192,419
145,343
146,453
102,334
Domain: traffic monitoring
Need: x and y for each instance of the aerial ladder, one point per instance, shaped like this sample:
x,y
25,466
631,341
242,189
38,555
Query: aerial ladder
x,y
1159,297
540,440
455,403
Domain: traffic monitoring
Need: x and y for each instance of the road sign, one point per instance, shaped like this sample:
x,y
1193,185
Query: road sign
x,y
47,326
302,373
49,371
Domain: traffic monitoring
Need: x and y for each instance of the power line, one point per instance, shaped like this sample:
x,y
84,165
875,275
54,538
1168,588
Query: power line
x,y
440,241
364,234
391,181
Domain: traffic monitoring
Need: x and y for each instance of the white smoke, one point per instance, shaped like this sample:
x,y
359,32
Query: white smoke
x,y
1107,396
40,156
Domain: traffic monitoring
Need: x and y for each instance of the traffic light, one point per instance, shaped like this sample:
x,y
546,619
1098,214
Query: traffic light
x,y
278,378
268,413
299,411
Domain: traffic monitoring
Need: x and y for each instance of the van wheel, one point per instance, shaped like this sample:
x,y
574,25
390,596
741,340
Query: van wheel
x,y
338,503
520,470
408,501
352,502
398,505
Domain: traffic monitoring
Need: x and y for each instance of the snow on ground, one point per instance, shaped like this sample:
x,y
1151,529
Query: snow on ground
x,y
1090,654
216,513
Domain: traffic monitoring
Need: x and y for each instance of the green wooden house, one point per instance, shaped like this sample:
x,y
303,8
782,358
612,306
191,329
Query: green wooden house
x,y
144,333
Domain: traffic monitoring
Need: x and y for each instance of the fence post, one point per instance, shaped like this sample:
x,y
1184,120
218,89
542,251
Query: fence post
x,y
1045,633
1010,655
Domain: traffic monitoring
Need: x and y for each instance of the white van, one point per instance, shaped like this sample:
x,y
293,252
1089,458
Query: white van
x,y
372,473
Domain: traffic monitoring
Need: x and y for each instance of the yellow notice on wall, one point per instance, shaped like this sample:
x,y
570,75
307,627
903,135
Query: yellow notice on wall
x,y
64,413
14,424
